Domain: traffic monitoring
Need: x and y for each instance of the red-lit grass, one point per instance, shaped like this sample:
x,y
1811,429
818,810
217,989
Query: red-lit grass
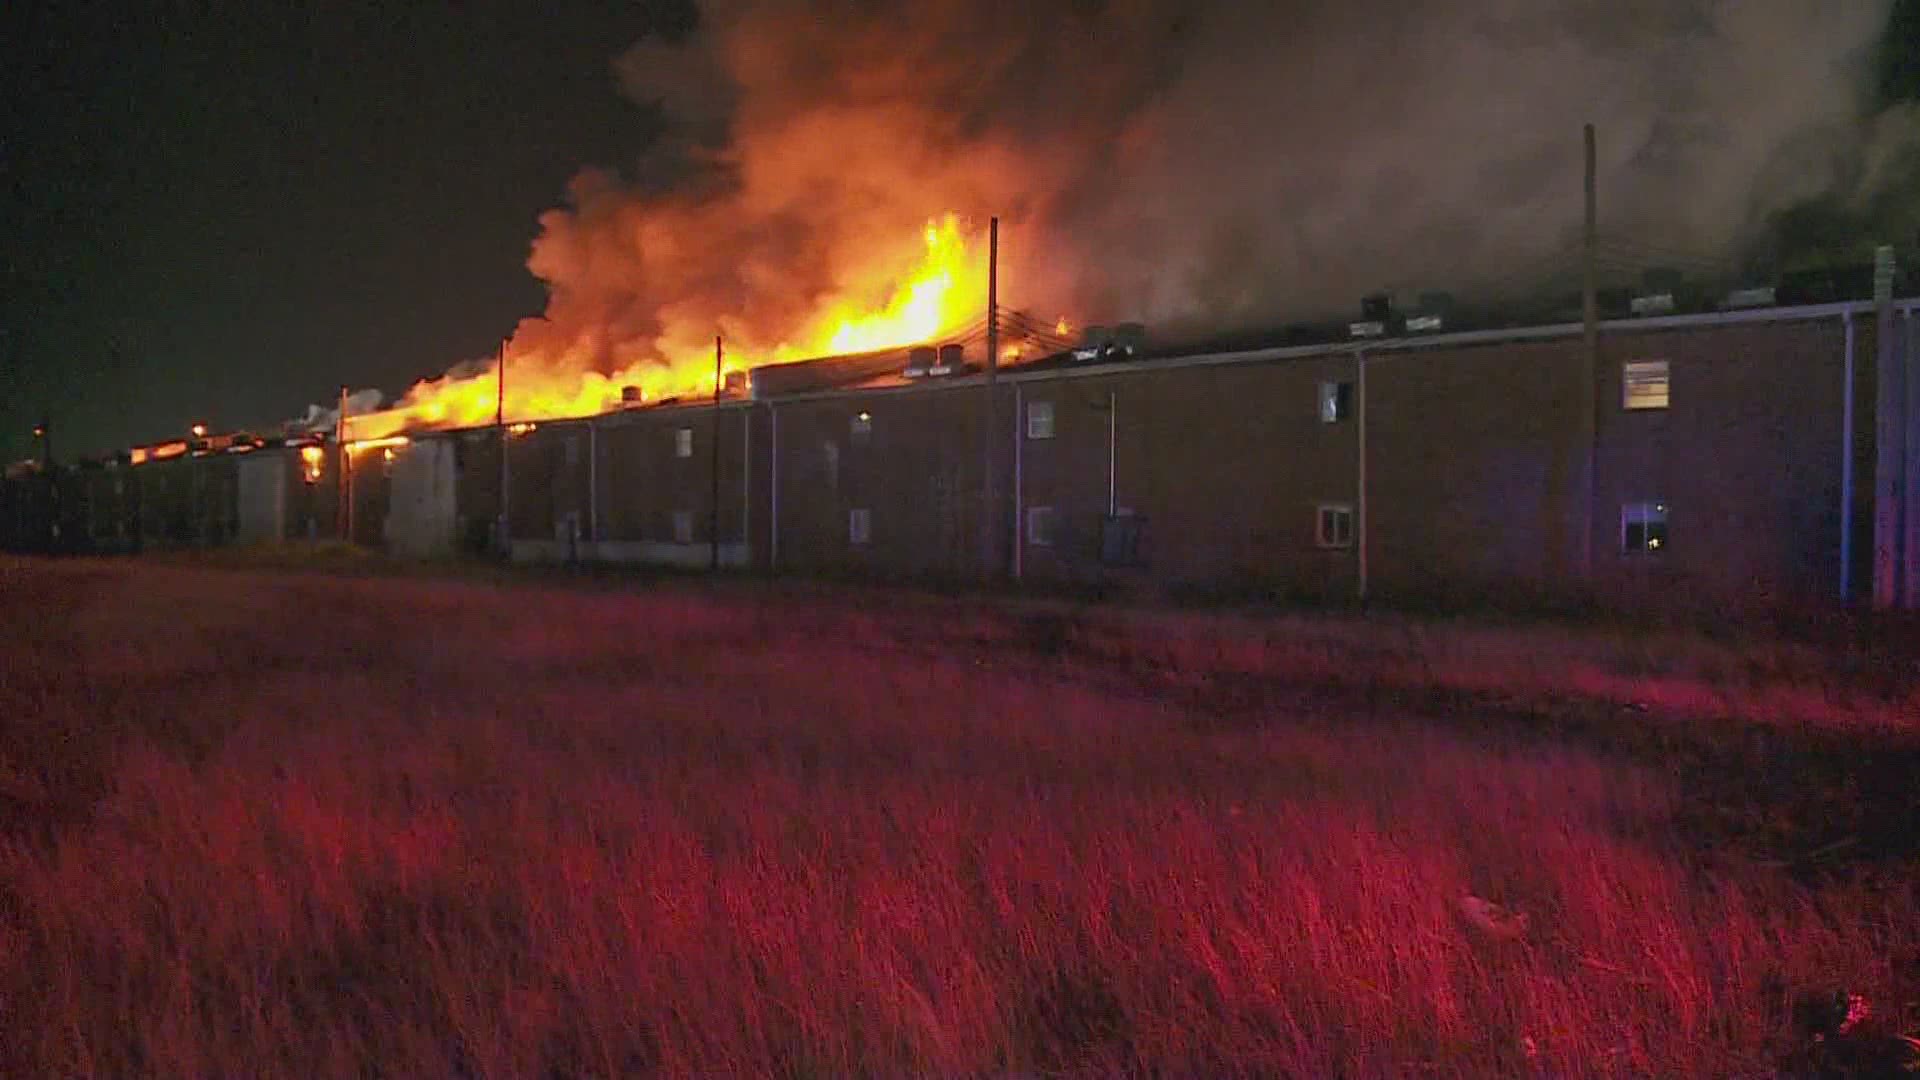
x,y
297,825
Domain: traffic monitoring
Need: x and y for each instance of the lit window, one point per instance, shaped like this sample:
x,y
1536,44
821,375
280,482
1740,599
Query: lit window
x,y
1644,384
1643,527
1336,402
860,428
1040,526
1040,420
1333,525
683,526
683,442
859,526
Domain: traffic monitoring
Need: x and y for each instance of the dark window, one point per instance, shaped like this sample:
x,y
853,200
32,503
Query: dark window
x,y
1040,526
1333,525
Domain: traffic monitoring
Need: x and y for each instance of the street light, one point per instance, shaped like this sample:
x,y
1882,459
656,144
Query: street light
x,y
199,430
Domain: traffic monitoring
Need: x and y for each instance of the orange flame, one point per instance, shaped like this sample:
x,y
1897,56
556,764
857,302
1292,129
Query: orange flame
x,y
899,299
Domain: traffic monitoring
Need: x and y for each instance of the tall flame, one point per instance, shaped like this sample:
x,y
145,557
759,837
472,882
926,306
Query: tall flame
x,y
893,302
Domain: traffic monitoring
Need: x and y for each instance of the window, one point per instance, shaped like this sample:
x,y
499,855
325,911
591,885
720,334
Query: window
x,y
1644,384
1336,402
859,526
1040,526
683,442
1643,527
683,526
1040,420
1333,526
860,429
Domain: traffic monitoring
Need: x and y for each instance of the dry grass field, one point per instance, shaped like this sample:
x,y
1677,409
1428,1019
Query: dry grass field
x,y
262,823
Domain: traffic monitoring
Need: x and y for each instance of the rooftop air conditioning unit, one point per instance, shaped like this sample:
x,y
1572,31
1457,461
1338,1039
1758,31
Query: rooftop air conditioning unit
x,y
952,360
1370,329
1750,298
1423,324
920,361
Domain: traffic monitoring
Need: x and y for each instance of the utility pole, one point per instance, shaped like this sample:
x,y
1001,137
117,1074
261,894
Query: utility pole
x,y
989,509
713,504
1589,397
504,530
343,494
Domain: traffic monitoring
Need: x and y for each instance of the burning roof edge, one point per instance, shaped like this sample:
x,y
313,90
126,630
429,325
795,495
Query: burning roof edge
x,y
838,376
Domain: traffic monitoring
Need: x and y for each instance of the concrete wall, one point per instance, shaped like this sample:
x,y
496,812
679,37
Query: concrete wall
x,y
422,499
263,482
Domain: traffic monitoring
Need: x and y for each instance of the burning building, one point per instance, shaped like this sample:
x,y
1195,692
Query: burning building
x,y
1738,456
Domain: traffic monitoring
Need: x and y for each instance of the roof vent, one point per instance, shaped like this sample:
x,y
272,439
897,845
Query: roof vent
x,y
1657,304
920,361
1750,298
1122,341
631,396
952,360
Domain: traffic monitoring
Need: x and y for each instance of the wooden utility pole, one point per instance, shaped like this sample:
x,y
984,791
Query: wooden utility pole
x,y
713,505
1589,397
989,508
1890,438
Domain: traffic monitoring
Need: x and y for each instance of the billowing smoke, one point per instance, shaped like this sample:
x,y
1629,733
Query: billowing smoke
x,y
1189,163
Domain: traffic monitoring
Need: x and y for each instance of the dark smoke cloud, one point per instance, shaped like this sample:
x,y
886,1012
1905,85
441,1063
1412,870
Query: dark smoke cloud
x,y
1211,162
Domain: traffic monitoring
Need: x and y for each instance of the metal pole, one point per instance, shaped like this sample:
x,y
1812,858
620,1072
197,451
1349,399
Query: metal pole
x,y
713,503
773,487
1910,559
1846,466
1019,482
1113,454
987,506
500,421
1360,500
1590,363
746,487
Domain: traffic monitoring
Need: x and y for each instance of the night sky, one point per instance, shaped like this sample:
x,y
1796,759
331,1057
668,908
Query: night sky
x,y
225,213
